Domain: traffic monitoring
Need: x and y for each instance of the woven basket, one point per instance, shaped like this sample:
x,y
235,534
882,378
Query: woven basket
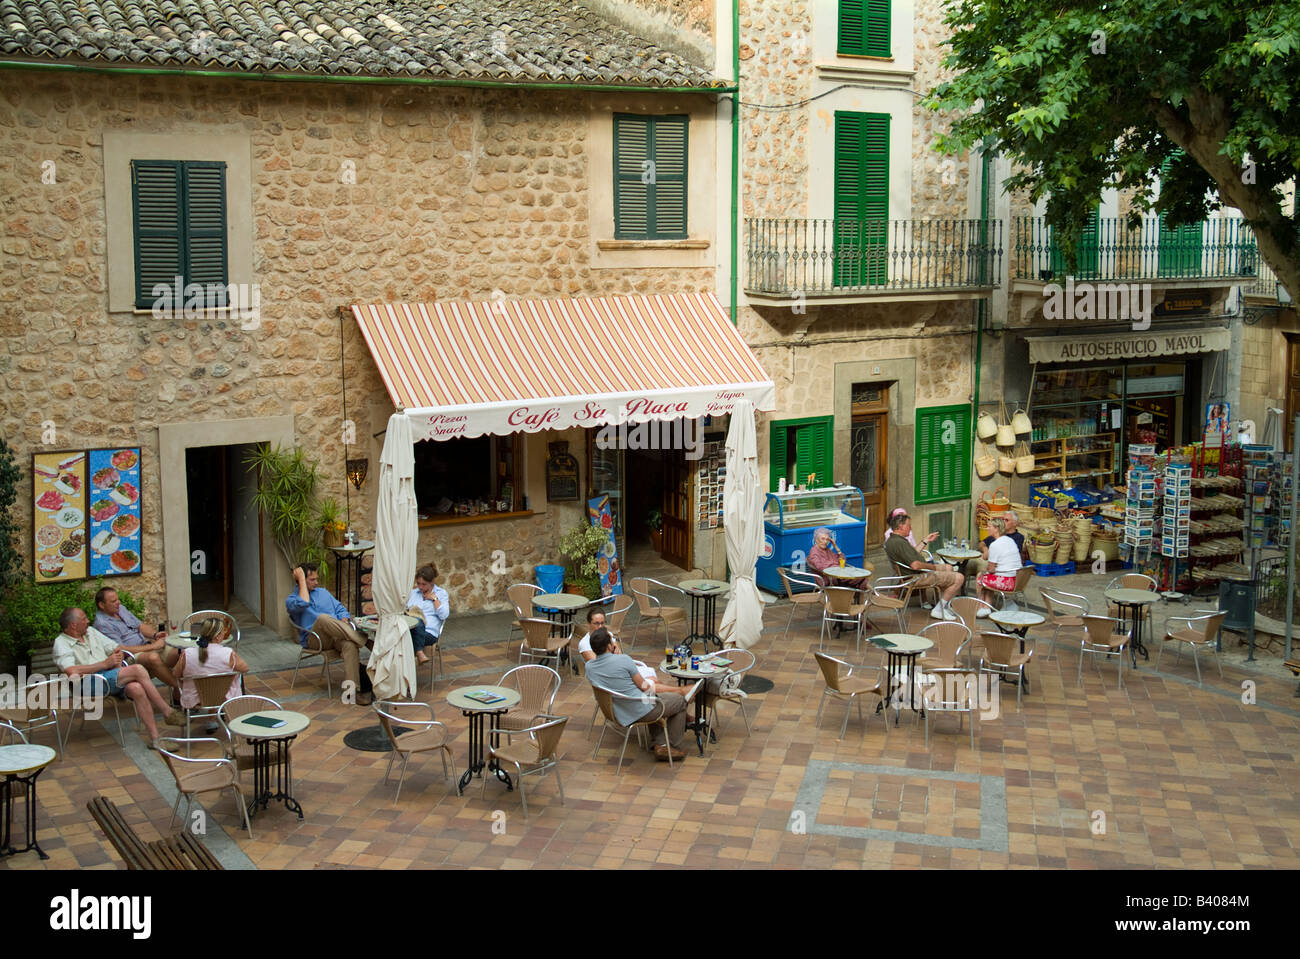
x,y
1082,545
1062,553
1025,462
1044,514
986,465
1007,464
1041,553
1107,545
986,427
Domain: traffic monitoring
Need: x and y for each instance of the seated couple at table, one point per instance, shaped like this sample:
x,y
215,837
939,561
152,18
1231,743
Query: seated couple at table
x,y
899,549
1004,562
611,669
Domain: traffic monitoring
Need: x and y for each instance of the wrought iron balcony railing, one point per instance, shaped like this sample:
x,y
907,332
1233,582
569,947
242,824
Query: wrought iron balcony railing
x,y
1215,249
857,257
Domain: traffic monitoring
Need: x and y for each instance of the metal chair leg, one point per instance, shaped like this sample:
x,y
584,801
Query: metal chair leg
x,y
406,757
848,708
1196,658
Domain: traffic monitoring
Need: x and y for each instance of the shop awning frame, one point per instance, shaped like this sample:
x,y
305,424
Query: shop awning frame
x,y
504,366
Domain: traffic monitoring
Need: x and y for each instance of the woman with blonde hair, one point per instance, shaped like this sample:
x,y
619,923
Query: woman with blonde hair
x,y
1004,561
206,657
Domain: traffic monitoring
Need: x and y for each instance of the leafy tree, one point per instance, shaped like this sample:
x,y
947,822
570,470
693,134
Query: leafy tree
x,y
1082,94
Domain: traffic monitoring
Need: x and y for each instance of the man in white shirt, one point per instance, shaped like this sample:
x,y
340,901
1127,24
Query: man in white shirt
x,y
82,650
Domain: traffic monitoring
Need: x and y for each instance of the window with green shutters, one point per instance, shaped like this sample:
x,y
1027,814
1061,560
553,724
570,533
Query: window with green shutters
x,y
179,220
1087,252
801,447
864,28
943,453
649,177
1179,247
861,198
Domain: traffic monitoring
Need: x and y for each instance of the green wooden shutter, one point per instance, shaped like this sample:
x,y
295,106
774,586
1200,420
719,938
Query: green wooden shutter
x,y
180,227
205,228
814,449
864,28
1087,251
861,253
943,454
1179,247
650,168
156,190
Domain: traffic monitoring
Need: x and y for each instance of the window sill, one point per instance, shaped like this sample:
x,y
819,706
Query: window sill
x,y
481,518
652,245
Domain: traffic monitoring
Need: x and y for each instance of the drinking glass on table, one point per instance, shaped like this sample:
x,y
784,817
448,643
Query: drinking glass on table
x,y
668,655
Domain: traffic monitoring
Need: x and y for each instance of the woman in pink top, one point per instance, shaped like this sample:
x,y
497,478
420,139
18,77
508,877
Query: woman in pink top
x,y
207,658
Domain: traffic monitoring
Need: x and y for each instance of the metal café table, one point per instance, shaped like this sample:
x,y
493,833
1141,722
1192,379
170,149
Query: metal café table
x,y
704,595
901,651
181,640
1133,600
853,573
271,749
349,558
701,702
961,557
477,712
1017,622
21,763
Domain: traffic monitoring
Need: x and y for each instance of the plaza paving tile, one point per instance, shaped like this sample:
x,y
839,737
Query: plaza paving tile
x,y
1159,774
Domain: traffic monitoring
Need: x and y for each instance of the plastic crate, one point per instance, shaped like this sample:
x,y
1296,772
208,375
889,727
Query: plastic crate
x,y
1053,569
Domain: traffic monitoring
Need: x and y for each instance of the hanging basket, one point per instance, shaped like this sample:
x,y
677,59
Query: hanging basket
x,y
1021,424
1007,464
1025,460
986,465
986,427
1006,435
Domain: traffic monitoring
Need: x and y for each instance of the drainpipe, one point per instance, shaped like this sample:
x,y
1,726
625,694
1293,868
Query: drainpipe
x,y
971,531
735,159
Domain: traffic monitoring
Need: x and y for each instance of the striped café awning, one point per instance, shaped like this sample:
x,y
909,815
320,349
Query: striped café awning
x,y
505,366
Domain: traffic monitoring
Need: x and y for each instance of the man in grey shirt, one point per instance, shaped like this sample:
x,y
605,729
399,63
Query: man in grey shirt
x,y
614,671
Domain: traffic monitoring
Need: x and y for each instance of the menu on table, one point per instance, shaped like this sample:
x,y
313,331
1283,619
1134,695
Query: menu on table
x,y
59,515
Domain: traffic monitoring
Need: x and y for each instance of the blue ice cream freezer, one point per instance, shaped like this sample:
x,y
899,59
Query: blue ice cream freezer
x,y
789,520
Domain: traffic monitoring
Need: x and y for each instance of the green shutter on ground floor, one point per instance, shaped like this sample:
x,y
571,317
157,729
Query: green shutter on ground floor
x,y
943,454
814,449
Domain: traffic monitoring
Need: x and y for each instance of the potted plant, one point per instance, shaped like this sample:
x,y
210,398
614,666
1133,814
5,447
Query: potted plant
x,y
331,522
286,493
581,546
655,521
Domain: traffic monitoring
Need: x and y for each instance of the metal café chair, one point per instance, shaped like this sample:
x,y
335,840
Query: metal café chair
x,y
195,775
190,624
534,755
808,593
1064,611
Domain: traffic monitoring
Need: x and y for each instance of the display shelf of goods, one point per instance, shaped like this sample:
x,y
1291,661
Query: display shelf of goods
x,y
1075,456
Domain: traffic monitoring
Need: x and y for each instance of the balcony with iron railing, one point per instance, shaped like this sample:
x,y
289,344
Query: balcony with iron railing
x,y
854,261
1215,252
1264,286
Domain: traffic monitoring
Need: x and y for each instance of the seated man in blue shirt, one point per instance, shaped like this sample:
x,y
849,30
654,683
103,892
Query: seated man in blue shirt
x,y
313,607
143,642
617,673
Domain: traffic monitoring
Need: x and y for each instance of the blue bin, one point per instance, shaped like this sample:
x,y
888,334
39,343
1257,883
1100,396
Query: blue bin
x,y
550,578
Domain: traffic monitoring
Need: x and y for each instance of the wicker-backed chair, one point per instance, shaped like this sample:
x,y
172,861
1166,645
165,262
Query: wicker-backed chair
x,y
430,735
952,691
968,609
652,609
1064,611
617,612
841,683
95,701
1023,575
1002,655
537,686
839,608
727,689
11,735
541,642
950,639
1102,638
536,753
892,594
1198,632
917,575
521,598
195,775
654,716
802,589
36,709
213,690
1132,581
329,656
239,749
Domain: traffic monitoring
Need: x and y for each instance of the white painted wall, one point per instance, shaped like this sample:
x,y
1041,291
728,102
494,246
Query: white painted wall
x,y
246,574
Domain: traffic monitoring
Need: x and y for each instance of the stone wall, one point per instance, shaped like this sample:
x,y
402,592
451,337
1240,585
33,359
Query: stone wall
x,y
940,181
457,193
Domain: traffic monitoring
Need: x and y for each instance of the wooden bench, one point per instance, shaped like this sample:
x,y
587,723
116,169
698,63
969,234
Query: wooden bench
x,y
180,851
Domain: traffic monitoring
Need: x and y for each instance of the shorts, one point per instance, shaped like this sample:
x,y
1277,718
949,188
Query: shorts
x,y
92,687
1003,584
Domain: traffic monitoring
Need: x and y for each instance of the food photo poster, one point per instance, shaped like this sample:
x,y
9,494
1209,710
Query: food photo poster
x,y
88,517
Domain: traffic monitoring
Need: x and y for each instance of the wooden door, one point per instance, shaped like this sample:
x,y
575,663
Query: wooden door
x,y
1292,388
869,454
227,531
677,509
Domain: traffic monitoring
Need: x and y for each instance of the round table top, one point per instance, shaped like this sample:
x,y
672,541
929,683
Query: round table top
x,y
371,623
906,643
957,553
1172,595
24,758
181,640
560,601
360,546
1018,617
846,572
294,723
703,587
458,699
700,673
1132,597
